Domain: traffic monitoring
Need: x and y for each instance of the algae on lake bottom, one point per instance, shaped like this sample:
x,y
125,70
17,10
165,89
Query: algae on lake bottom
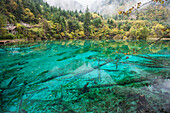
x,y
85,76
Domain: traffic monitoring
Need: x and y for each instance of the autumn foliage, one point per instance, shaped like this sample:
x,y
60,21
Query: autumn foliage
x,y
138,5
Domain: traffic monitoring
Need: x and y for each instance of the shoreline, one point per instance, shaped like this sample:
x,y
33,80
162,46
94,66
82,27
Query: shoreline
x,y
158,38
4,42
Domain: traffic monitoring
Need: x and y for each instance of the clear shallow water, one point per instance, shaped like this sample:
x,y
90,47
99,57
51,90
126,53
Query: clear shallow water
x,y
85,76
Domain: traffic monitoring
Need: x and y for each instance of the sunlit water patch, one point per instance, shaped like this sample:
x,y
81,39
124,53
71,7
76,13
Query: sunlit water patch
x,y
85,76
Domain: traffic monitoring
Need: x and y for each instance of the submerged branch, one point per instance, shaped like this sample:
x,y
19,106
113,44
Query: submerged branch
x,y
153,42
110,85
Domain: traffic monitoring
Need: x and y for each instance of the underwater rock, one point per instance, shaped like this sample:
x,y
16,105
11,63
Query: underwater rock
x,y
83,68
104,77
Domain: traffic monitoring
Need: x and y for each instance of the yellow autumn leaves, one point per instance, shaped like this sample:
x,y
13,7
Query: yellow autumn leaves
x,y
131,9
137,7
161,1
165,30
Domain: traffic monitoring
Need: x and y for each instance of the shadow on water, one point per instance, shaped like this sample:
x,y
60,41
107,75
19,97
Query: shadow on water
x,y
85,76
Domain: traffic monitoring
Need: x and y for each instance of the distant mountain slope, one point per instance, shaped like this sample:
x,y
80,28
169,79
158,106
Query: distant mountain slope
x,y
110,7
66,4
104,7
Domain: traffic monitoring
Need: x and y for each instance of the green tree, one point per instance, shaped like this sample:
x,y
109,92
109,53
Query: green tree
x,y
111,22
38,8
2,6
87,22
137,16
19,10
116,17
143,33
97,22
108,21
133,33
3,21
73,25
157,30
119,25
33,9
81,18
80,11
63,23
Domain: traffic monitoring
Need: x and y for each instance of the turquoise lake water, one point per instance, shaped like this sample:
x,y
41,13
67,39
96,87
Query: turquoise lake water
x,y
85,76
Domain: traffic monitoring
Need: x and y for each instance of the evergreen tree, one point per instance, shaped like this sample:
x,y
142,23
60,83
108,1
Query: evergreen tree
x,y
97,22
87,22
51,9
2,6
47,5
111,22
80,11
63,23
116,17
63,27
33,9
108,21
137,16
76,11
81,18
119,24
38,8
3,21
19,11
73,25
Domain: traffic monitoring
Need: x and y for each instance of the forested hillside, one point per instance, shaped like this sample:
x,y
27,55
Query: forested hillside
x,y
36,20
